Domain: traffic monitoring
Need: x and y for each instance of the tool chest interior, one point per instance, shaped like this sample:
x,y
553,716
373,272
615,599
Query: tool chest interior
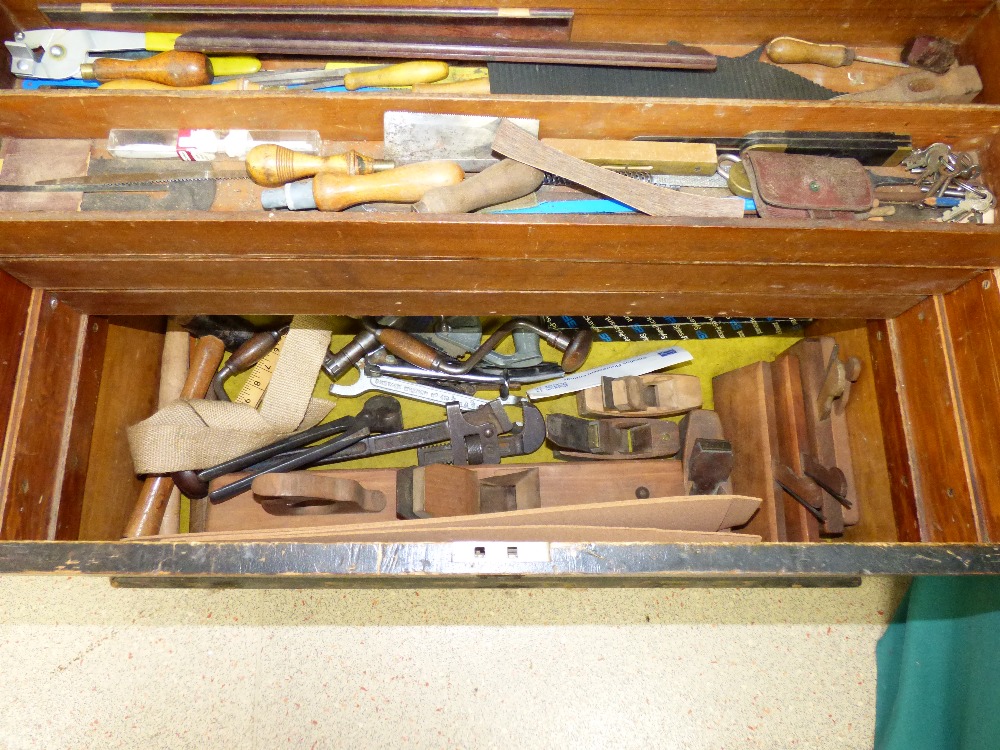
x,y
87,294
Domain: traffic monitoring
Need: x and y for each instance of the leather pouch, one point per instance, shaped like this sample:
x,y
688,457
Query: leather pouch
x,y
796,186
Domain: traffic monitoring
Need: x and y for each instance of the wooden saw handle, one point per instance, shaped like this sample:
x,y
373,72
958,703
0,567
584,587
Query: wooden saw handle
x,y
406,184
152,502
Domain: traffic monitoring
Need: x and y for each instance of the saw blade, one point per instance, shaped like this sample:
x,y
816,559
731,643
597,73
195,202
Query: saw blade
x,y
144,178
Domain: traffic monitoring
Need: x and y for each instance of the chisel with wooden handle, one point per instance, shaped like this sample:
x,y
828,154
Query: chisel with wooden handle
x,y
152,502
333,192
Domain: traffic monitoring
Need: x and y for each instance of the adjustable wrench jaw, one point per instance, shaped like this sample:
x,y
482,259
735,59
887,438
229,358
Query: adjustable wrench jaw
x,y
59,53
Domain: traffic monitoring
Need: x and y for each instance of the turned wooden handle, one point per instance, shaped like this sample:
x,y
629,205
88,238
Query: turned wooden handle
x,y
788,50
134,84
272,165
170,68
504,181
403,74
408,347
149,508
406,184
470,86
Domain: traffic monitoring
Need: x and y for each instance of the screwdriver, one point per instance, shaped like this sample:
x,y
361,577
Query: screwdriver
x,y
333,192
789,50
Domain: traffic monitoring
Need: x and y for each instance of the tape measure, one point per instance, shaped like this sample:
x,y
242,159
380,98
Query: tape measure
x,y
252,392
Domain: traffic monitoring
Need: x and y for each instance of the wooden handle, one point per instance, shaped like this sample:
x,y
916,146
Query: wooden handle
x,y
252,351
504,181
471,86
152,503
272,165
408,347
170,68
134,84
406,184
403,74
789,50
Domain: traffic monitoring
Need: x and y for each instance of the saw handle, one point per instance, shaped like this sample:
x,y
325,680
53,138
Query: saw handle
x,y
272,165
169,68
406,184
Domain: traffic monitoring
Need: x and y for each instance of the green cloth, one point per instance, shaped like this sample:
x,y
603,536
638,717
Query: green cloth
x,y
939,668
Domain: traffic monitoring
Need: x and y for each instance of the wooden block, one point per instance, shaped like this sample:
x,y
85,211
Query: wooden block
x,y
244,512
310,493
868,455
659,394
744,401
790,439
658,157
443,490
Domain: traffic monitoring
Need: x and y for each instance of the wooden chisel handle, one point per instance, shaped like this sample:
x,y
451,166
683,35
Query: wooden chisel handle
x,y
272,165
403,74
504,181
406,184
152,502
169,68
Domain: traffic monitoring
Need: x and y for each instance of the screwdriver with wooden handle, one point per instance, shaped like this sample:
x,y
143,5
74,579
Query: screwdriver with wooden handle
x,y
788,50
334,192
155,493
272,165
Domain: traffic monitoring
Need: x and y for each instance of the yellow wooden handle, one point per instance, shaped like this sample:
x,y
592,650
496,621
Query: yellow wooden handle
x,y
403,74
789,50
272,165
132,84
401,185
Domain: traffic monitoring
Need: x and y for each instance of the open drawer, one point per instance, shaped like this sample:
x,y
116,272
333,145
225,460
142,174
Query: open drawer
x,y
917,303
922,439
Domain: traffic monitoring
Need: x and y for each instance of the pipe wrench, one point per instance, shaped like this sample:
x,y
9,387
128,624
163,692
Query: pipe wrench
x,y
59,53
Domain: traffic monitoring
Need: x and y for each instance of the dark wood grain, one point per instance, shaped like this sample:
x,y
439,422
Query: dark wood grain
x,y
350,301
79,444
36,449
15,299
128,394
902,487
568,275
335,44
972,315
932,426
979,49
67,114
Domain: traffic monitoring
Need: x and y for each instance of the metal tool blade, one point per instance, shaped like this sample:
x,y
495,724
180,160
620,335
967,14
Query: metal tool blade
x,y
144,178
74,187
468,139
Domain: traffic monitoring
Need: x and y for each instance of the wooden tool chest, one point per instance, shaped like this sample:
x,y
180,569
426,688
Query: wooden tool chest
x,y
85,296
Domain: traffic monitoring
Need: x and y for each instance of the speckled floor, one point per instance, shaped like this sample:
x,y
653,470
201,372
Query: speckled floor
x,y
84,665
